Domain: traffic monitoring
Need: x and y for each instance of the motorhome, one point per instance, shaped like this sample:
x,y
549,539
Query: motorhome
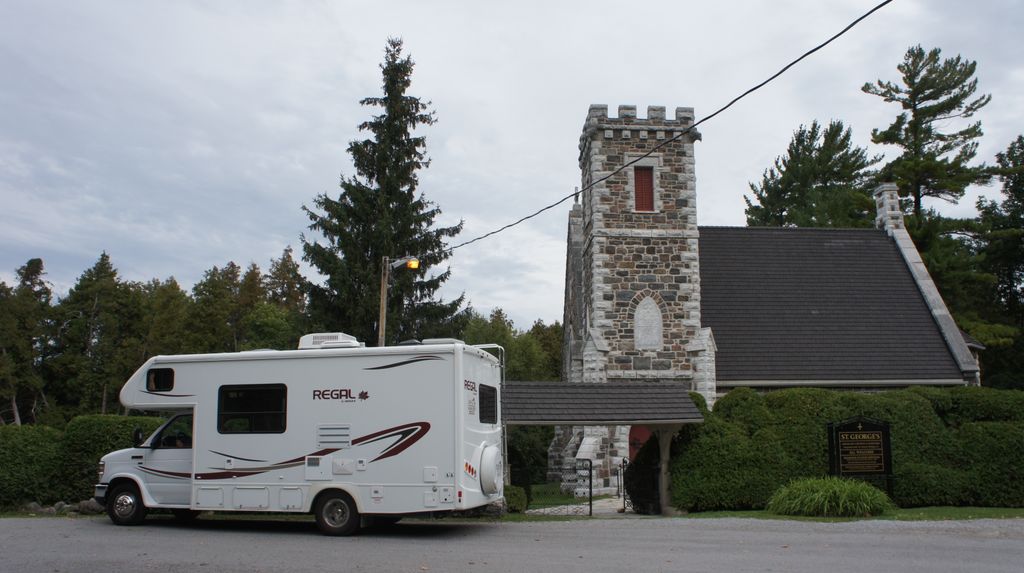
x,y
346,432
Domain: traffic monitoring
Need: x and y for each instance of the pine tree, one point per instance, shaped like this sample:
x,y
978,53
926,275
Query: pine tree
x,y
214,320
934,161
1002,252
24,315
380,214
286,287
99,338
821,182
166,312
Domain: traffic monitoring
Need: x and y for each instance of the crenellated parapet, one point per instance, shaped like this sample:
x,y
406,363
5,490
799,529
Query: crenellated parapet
x,y
627,126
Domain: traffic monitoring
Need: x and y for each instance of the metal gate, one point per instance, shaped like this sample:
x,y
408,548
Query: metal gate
x,y
575,495
640,488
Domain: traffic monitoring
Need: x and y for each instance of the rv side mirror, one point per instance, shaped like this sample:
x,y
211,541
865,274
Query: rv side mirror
x,y
137,437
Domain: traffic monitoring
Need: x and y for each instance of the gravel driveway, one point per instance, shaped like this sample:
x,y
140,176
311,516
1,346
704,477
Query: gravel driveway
x,y
55,545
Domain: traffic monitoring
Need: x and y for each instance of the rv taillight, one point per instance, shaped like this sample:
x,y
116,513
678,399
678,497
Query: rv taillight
x,y
460,495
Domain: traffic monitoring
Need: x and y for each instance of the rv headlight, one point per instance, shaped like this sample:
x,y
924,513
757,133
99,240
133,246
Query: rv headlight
x,y
99,470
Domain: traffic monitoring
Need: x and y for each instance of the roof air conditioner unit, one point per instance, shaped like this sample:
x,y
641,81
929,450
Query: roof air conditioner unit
x,y
328,340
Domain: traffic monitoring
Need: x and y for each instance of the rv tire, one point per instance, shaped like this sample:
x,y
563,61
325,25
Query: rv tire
x,y
124,505
336,513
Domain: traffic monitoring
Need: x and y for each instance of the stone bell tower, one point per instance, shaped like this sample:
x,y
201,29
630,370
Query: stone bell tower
x,y
632,300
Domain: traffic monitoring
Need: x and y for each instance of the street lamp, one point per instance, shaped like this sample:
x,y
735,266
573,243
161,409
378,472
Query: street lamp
x,y
386,266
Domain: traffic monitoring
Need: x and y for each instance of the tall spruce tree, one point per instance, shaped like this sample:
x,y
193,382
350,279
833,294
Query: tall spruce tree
x,y
822,181
214,318
24,315
286,287
99,338
380,213
933,160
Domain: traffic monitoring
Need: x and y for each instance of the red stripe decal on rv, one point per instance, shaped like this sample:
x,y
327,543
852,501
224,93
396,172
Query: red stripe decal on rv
x,y
164,473
166,395
407,435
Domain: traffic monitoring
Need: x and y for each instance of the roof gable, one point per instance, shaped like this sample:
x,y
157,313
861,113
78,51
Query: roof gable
x,y
798,304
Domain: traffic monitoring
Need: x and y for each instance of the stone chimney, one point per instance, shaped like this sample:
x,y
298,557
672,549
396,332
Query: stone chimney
x,y
888,216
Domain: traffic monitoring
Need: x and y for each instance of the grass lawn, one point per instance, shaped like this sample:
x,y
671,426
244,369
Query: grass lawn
x,y
909,514
550,495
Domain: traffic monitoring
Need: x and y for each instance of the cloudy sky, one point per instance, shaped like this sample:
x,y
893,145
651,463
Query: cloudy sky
x,y
181,135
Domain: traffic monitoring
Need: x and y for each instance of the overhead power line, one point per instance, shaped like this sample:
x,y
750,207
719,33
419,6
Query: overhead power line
x,y
678,135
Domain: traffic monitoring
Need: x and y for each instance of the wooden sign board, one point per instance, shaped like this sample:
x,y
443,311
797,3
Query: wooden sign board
x,y
860,447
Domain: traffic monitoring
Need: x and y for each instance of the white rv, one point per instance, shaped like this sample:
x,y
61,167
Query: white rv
x,y
333,428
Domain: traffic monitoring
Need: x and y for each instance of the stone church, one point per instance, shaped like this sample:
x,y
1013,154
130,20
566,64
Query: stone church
x,y
651,296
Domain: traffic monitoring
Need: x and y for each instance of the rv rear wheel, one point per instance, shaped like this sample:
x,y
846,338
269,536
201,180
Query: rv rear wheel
x,y
336,514
124,505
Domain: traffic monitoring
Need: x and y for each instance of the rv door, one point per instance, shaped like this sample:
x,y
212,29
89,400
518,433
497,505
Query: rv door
x,y
167,466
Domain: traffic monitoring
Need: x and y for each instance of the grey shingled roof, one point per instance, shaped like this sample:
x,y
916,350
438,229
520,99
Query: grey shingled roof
x,y
816,305
597,404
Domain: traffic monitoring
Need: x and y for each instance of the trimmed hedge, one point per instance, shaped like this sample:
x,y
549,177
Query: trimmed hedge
x,y
717,466
89,438
950,446
916,485
993,454
28,464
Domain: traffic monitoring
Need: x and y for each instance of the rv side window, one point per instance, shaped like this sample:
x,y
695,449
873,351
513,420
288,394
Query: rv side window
x,y
488,404
160,379
252,409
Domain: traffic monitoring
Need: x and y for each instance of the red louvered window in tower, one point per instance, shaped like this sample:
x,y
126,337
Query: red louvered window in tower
x,y
643,180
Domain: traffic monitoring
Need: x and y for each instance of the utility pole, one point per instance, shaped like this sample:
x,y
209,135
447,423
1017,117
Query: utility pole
x,y
386,264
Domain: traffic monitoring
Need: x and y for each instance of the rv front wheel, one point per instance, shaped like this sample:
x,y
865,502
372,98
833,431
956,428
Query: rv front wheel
x,y
124,505
336,514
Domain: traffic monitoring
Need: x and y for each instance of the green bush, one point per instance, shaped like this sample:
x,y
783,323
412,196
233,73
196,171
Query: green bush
x,y
949,446
515,499
29,458
917,433
993,457
976,404
918,485
745,407
701,403
89,438
829,497
723,468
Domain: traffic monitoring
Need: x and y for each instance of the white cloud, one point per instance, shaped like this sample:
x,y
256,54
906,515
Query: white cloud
x,y
178,136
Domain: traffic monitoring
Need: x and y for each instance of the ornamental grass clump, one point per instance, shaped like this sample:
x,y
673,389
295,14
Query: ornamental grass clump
x,y
829,497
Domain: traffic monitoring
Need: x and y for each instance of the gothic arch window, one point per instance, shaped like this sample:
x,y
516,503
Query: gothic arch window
x,y
648,325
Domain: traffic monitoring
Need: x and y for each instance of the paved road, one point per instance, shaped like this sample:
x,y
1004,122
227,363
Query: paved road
x,y
55,545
